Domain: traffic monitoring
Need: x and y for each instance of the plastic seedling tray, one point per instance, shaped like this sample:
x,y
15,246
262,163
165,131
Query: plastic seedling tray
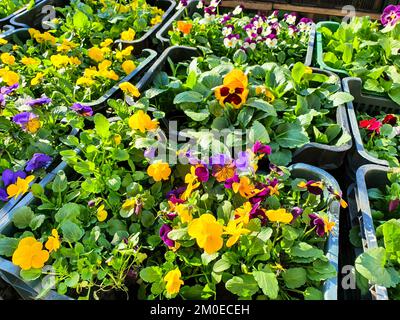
x,y
320,155
30,290
163,37
34,18
7,20
358,156
147,55
369,176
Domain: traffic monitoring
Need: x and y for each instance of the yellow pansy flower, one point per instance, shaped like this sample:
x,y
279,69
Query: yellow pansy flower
x,y
7,58
159,171
141,121
117,139
235,230
29,61
128,35
129,89
207,232
242,214
101,213
280,215
53,241
9,77
156,20
3,41
96,54
183,212
128,66
30,254
20,187
173,280
129,204
106,43
59,60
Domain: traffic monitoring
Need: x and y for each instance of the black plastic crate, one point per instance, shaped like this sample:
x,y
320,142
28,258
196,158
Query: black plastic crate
x,y
34,17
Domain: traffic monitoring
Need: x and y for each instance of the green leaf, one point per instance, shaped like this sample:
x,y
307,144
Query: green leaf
x,y
291,135
120,155
312,293
177,234
37,221
340,98
244,286
60,182
31,274
281,158
151,274
294,277
267,282
197,116
71,231
102,125
69,211
114,183
22,217
394,94
221,265
72,280
371,265
8,246
262,105
391,236
259,133
81,20
298,71
240,57
188,96
207,258
305,250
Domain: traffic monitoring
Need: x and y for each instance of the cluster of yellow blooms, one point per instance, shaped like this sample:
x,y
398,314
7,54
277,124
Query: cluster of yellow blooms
x,y
30,254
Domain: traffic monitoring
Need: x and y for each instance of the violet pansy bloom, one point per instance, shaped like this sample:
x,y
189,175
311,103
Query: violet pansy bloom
x,y
10,177
229,182
318,223
164,230
28,121
38,102
82,110
391,15
394,205
258,147
38,161
202,173
226,18
3,195
8,90
296,212
257,212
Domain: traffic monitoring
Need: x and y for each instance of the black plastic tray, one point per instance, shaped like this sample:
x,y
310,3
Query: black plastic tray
x,y
316,154
33,19
7,20
114,92
29,290
369,176
358,156
164,40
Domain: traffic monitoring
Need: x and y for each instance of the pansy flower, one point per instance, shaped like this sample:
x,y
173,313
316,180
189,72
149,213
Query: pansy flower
x,y
38,102
28,121
202,173
393,205
184,27
296,212
38,161
173,279
82,110
164,230
271,40
338,196
20,187
225,18
227,30
234,89
314,187
280,216
182,4
371,125
390,15
290,18
207,232
390,119
322,224
234,229
231,40
259,213
244,187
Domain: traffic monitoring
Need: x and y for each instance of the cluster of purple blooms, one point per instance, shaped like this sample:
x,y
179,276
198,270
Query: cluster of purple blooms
x,y
38,161
391,15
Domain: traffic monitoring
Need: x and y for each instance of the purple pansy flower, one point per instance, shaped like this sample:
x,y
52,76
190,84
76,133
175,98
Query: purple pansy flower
x,y
229,182
319,223
391,15
258,147
23,118
2,100
150,153
174,195
7,90
220,159
3,195
171,216
38,161
202,173
393,205
38,102
82,110
243,162
296,212
314,187
257,212
226,18
164,230
10,177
